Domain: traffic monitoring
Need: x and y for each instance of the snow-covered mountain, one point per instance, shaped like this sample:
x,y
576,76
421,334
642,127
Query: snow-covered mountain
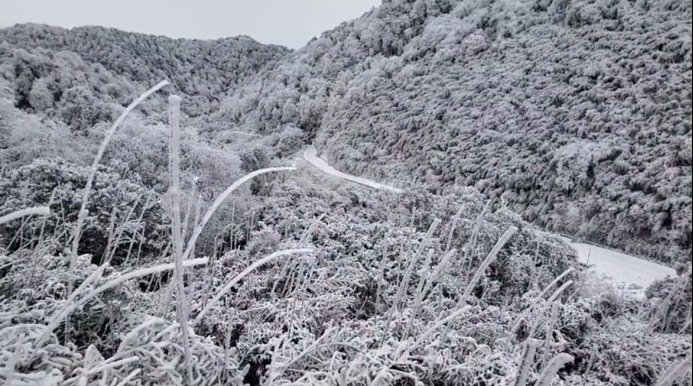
x,y
51,66
576,114
408,246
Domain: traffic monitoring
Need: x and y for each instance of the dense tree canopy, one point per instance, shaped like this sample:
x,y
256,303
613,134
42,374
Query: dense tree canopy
x,y
576,114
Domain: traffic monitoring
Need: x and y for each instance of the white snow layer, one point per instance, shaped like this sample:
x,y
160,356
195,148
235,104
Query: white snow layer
x,y
629,275
311,155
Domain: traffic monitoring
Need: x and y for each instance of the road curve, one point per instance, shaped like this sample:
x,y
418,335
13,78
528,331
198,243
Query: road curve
x,y
629,275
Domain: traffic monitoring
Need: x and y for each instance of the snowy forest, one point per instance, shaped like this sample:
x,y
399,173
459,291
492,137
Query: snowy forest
x,y
161,224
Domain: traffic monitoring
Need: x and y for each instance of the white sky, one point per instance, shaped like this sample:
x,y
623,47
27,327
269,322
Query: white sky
x,y
290,23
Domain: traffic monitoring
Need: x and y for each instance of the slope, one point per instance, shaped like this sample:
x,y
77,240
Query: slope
x,y
575,113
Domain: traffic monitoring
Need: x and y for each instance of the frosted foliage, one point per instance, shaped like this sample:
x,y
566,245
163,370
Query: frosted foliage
x,y
549,104
379,207
113,63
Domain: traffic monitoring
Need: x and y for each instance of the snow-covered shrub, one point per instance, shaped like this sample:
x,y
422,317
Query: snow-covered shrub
x,y
252,159
156,345
670,303
25,137
124,218
142,149
287,142
624,352
364,240
81,110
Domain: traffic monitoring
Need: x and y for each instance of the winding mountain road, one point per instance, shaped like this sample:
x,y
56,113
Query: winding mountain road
x,y
629,275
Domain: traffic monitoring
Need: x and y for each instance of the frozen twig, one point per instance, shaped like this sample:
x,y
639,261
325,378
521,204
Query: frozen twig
x,y
243,274
35,211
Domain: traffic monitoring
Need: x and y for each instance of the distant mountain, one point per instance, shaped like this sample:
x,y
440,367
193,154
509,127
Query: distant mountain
x,y
576,114
106,64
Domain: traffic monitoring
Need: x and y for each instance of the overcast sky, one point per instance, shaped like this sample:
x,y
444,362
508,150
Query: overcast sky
x,y
287,22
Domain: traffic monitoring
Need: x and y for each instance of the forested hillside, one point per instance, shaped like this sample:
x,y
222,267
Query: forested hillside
x,y
576,114
56,68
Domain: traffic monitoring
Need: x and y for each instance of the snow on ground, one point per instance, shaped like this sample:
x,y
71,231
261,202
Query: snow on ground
x,y
311,155
628,274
